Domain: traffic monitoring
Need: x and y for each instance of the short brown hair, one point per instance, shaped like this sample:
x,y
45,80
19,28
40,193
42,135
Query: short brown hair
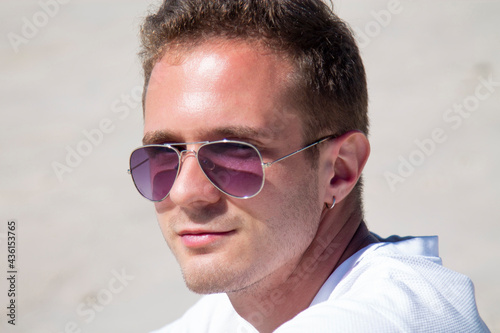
x,y
332,83
330,87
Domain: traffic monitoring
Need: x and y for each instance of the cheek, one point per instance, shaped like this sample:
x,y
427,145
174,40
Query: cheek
x,y
164,218
290,213
163,208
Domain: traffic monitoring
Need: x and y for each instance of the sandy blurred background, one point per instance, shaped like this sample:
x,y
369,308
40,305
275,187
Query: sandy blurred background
x,y
80,226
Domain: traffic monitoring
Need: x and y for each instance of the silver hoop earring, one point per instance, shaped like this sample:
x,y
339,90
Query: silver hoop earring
x,y
332,205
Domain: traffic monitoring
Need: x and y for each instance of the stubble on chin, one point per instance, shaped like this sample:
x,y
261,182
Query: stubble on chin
x,y
215,278
211,270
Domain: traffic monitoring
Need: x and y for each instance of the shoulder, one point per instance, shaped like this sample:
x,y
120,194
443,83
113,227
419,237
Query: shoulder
x,y
394,287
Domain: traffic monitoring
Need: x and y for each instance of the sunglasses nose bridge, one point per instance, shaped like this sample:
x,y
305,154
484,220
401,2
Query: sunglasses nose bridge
x,y
183,155
186,153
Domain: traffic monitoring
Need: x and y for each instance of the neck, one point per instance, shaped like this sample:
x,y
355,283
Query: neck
x,y
278,298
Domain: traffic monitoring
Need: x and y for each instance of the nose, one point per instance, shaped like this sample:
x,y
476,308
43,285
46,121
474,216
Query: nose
x,y
192,188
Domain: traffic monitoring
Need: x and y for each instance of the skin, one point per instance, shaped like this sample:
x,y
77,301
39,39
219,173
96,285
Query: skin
x,y
279,247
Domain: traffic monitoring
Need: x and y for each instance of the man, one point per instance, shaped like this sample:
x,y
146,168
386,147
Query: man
x,y
255,140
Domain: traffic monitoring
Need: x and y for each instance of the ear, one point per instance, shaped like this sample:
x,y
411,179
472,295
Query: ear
x,y
346,157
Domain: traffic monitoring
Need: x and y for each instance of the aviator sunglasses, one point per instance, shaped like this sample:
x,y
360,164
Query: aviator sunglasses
x,y
234,167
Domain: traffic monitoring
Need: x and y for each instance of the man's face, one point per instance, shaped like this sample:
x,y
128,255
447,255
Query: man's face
x,y
236,91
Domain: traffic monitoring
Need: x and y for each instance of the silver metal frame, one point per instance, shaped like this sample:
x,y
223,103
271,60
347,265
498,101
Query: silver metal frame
x,y
204,143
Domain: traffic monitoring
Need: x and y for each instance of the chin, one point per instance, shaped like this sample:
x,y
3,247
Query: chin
x,y
207,285
210,278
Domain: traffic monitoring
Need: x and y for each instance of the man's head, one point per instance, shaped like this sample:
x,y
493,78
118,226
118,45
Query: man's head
x,y
276,74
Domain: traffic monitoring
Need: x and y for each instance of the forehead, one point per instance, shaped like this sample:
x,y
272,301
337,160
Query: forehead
x,y
219,86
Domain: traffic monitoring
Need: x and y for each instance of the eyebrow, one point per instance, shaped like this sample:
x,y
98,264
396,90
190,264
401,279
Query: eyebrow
x,y
241,132
158,137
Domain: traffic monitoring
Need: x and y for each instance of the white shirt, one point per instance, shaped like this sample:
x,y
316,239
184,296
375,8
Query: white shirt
x,y
398,285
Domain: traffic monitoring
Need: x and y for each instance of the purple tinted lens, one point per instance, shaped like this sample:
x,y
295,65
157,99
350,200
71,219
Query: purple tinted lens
x,y
235,168
154,170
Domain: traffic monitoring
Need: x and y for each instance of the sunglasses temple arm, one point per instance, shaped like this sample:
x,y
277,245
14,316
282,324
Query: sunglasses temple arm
x,y
268,164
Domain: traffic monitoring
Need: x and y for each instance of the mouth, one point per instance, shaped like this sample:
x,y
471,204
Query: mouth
x,y
198,239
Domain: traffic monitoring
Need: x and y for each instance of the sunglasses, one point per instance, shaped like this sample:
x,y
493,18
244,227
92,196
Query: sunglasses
x,y
234,167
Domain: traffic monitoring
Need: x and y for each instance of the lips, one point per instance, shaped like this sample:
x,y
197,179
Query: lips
x,y
201,238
